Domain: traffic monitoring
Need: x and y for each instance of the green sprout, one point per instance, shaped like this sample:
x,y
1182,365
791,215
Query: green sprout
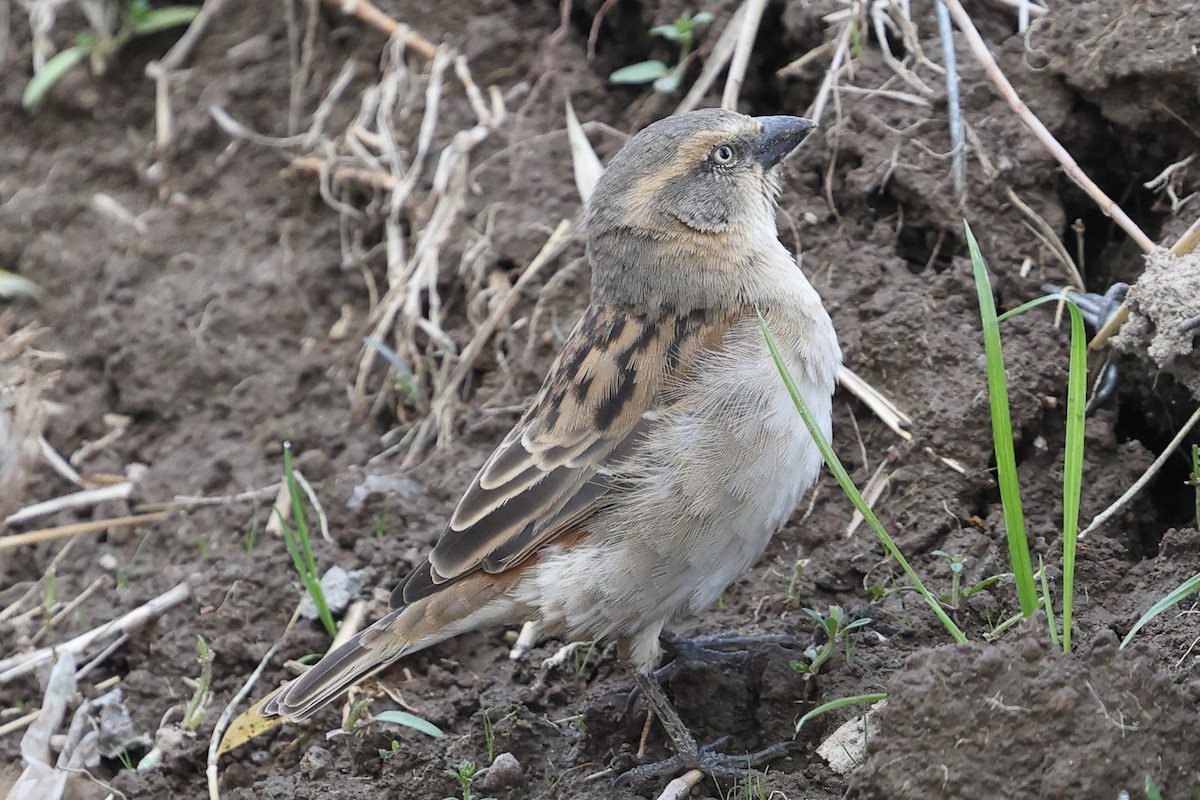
x,y
193,714
958,594
101,44
666,79
299,545
838,628
466,774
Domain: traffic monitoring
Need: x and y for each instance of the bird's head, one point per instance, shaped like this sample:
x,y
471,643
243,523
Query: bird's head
x,y
689,199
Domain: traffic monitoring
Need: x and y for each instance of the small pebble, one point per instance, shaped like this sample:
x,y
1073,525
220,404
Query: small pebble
x,y
316,762
504,772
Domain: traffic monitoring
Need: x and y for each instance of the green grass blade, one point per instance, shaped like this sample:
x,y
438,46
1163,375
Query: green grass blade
x,y
51,73
1073,456
300,547
161,19
1073,464
834,705
641,72
1048,603
408,720
1006,460
1181,591
843,479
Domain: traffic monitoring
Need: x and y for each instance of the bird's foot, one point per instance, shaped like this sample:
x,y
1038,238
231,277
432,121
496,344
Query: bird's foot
x,y
689,754
1096,310
708,760
717,648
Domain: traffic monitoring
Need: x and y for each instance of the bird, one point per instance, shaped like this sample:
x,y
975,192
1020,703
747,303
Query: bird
x,y
663,450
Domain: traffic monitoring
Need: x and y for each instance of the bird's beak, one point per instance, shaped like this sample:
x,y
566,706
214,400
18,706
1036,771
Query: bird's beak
x,y
780,135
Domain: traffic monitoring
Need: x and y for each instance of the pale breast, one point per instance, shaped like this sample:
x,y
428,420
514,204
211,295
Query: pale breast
x,y
721,467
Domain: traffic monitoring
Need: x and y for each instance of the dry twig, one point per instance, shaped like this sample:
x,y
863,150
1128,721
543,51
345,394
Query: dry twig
x,y
370,14
747,32
1108,513
62,531
1107,205
24,663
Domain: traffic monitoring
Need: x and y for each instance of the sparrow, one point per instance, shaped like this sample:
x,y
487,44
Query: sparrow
x,y
662,451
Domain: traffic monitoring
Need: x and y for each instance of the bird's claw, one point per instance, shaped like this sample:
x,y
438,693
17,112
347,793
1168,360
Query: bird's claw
x,y
707,650
709,760
721,647
1096,309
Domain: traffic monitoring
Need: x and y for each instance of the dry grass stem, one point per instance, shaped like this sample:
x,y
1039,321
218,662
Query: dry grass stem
x,y
370,14
24,663
93,526
747,32
871,493
281,511
882,23
239,131
69,608
831,75
15,607
210,772
352,622
19,723
160,72
58,463
83,499
1046,234
903,97
1114,509
335,174
437,423
820,51
1107,205
193,501
885,409
315,502
25,379
682,786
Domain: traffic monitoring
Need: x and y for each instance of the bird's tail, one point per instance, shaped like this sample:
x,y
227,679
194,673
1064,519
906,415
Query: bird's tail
x,y
464,606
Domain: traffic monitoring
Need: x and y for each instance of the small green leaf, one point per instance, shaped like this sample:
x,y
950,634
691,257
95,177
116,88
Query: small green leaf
x,y
51,73
409,721
668,83
671,31
161,19
1181,591
703,18
642,72
833,705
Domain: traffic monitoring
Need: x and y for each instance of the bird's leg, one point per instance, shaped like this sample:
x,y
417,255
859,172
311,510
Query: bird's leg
x,y
707,650
688,753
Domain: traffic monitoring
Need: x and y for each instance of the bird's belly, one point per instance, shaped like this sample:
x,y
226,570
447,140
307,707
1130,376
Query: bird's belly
x,y
718,473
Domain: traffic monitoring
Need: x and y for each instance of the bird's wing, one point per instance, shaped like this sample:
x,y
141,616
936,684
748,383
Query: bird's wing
x,y
551,471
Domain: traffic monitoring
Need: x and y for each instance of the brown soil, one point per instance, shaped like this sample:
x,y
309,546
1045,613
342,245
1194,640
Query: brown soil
x,y
209,327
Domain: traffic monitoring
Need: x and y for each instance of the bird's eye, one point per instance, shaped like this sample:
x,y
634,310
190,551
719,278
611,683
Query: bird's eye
x,y
722,155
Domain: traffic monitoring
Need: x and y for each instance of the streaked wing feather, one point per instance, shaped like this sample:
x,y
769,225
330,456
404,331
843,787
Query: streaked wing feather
x,y
549,474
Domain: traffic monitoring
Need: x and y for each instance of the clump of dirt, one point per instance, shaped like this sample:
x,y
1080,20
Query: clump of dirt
x,y
1021,719
1163,302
